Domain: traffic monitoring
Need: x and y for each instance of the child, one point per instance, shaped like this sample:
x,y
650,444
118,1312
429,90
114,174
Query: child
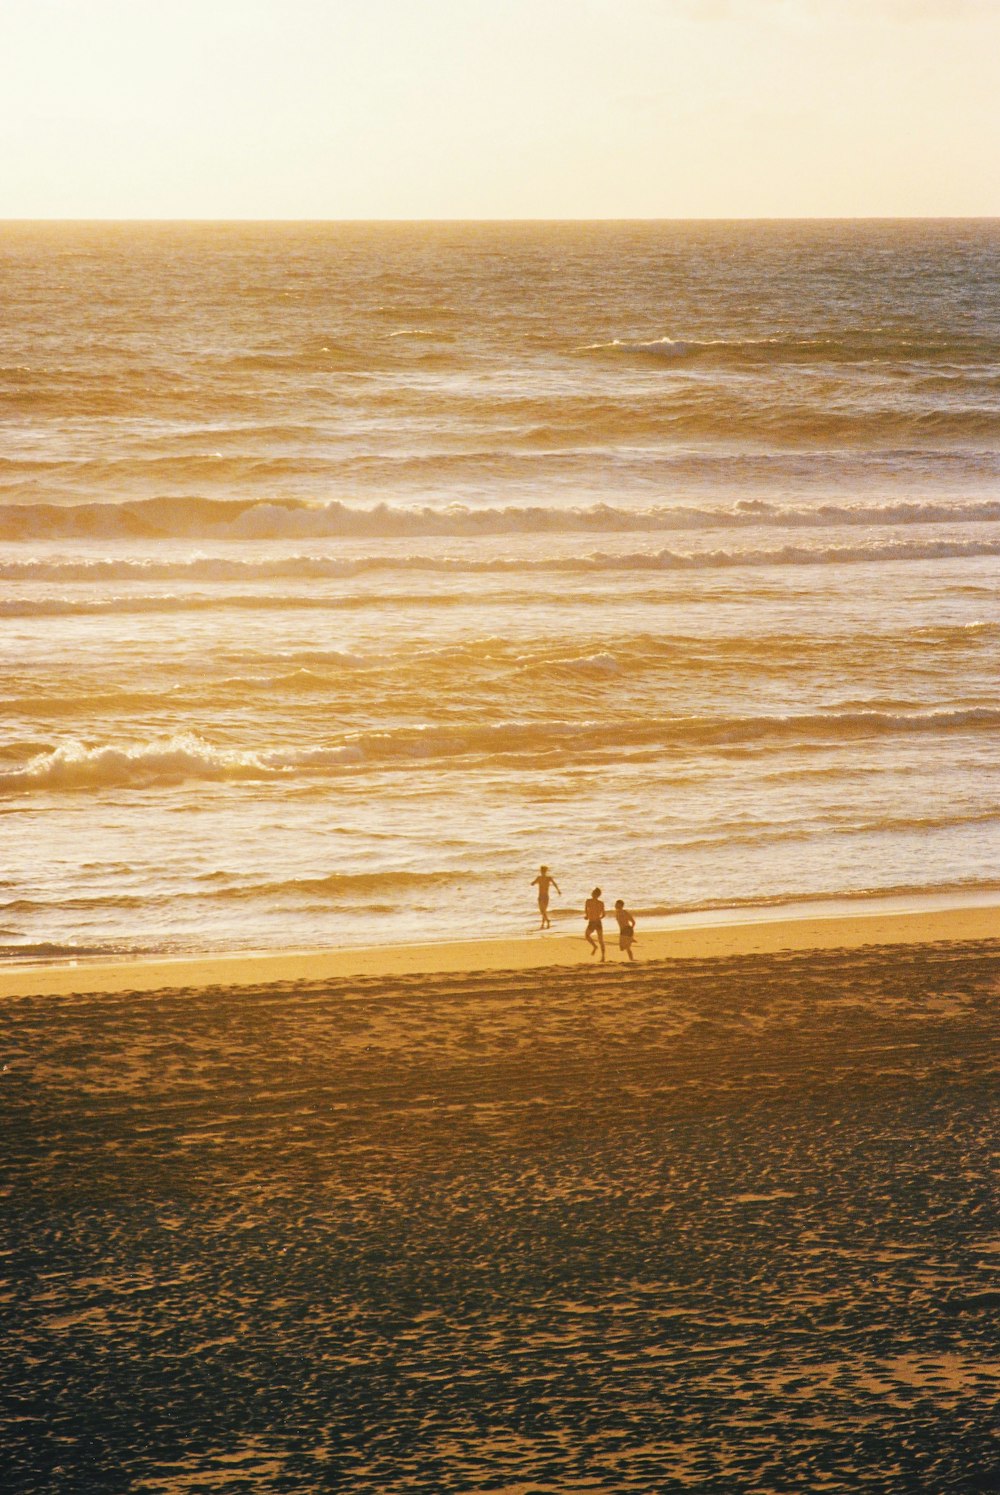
x,y
626,928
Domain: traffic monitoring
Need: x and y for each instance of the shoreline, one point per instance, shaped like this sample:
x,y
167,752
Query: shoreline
x,y
695,938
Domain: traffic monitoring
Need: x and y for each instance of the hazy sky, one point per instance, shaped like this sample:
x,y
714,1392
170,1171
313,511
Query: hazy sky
x,y
498,108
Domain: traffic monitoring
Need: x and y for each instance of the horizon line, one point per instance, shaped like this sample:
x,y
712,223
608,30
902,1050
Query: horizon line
x,y
704,218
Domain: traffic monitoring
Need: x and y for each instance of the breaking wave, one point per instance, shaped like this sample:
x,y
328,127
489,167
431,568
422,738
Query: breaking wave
x,y
74,765
220,519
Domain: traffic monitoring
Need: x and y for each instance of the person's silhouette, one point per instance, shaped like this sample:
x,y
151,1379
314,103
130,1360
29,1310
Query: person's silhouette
x,y
543,882
626,927
594,911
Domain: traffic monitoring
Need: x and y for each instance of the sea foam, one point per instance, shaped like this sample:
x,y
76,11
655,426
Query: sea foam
x,y
212,519
73,765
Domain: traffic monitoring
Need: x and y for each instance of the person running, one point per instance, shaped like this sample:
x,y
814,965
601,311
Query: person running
x,y
594,910
543,882
626,927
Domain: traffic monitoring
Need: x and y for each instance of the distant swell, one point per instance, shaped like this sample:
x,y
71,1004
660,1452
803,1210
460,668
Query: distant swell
x,y
74,765
359,887
325,568
844,348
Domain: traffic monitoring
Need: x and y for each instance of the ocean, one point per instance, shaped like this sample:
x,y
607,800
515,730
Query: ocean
x,y
349,572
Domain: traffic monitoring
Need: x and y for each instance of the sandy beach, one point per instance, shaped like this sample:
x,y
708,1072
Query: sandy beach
x,y
723,1221
872,922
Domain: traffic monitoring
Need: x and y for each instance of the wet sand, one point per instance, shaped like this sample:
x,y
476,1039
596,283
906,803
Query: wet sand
x,y
867,922
706,1224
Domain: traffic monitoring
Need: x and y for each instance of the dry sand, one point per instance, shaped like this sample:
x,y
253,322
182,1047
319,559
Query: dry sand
x,y
706,1224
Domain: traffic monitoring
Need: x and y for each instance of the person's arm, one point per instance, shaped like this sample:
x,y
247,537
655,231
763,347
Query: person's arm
x,y
557,887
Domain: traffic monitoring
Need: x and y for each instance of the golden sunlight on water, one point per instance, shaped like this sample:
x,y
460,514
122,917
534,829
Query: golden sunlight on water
x,y
351,575
352,572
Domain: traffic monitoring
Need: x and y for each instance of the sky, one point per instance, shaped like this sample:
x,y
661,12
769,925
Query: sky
x,y
332,109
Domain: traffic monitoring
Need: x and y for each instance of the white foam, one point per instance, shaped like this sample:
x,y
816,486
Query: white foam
x,y
73,765
195,519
